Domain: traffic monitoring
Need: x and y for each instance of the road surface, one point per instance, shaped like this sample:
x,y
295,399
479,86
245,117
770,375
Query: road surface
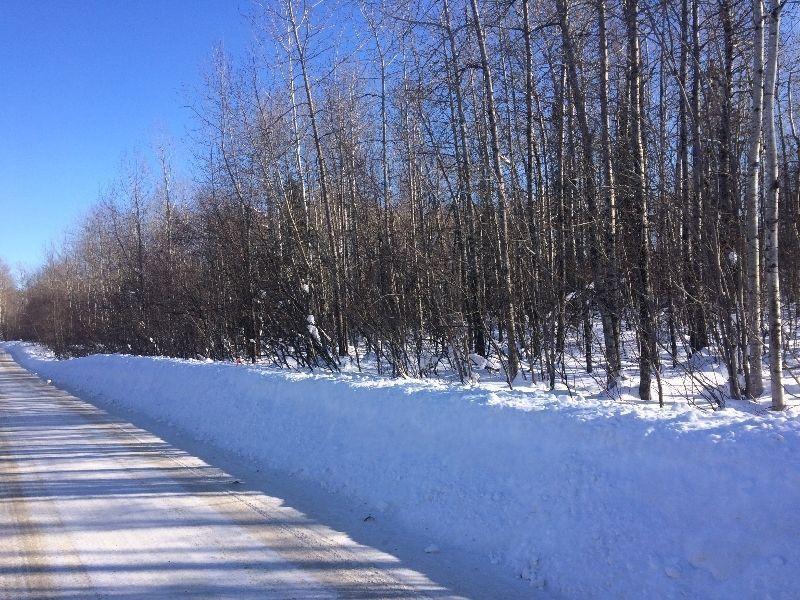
x,y
93,507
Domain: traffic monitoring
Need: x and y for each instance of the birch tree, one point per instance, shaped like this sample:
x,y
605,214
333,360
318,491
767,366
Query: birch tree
x,y
771,213
754,384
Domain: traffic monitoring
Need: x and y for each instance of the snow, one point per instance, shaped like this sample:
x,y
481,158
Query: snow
x,y
312,328
95,507
580,496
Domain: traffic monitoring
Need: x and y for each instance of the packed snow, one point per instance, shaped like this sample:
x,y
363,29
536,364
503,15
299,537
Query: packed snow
x,y
579,495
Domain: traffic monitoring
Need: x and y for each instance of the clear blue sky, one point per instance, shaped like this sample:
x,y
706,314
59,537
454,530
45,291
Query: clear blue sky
x,y
82,82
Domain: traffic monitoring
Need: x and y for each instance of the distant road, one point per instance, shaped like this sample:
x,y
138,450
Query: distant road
x,y
93,507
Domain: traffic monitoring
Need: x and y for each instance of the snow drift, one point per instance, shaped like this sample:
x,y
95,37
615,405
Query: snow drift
x,y
582,497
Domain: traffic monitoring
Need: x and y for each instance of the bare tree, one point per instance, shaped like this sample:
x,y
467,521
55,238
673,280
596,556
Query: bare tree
x,y
771,218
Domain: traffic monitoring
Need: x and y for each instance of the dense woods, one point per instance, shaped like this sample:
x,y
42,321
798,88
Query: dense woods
x,y
450,184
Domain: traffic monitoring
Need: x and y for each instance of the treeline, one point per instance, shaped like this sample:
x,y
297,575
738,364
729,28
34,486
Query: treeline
x,y
434,182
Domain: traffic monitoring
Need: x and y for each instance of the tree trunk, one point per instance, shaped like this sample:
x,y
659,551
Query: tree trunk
x,y
771,220
647,339
502,204
610,316
755,382
341,333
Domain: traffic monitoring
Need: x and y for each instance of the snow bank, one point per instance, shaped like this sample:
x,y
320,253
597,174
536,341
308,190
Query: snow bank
x,y
582,497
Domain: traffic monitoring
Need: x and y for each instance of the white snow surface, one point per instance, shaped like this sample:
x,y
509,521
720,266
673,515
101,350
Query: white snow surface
x,y
581,496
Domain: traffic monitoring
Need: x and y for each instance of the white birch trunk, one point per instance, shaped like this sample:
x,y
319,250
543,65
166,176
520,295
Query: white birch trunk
x,y
755,383
771,223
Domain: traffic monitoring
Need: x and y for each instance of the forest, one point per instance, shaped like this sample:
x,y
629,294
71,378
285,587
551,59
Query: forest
x,y
460,185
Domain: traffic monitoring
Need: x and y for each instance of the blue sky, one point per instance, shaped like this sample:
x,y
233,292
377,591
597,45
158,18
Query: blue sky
x,y
82,82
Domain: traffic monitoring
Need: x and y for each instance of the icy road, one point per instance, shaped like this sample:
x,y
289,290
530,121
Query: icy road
x,y
93,507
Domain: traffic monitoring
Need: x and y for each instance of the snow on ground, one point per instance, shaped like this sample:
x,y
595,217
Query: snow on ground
x,y
582,496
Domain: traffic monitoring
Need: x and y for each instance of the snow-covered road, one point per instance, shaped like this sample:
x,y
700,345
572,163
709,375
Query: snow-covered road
x,y
91,506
